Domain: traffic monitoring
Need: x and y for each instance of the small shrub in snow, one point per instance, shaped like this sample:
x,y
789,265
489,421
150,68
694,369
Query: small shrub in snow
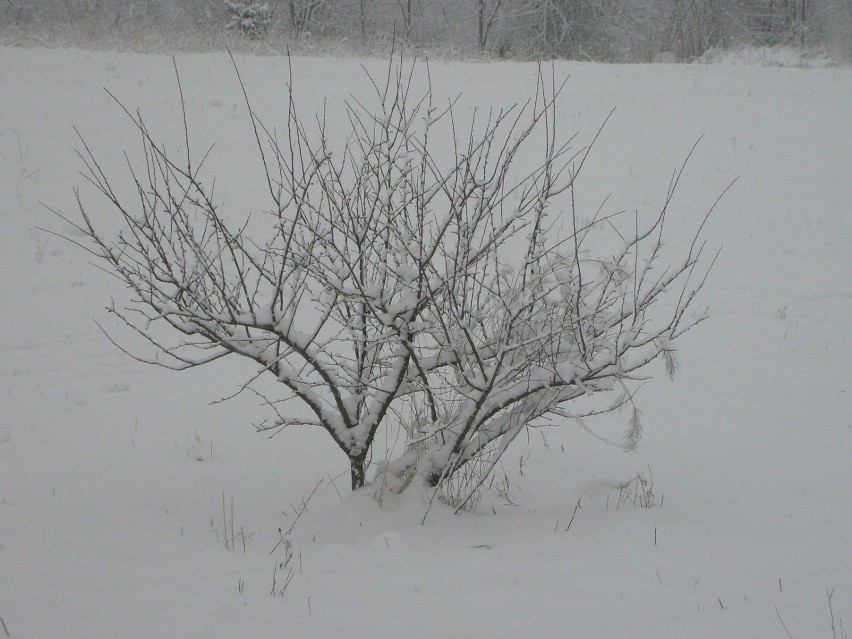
x,y
252,18
638,491
441,289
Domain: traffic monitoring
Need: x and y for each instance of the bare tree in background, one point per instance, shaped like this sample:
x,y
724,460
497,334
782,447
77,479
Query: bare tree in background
x,y
691,27
301,15
416,275
487,14
364,19
410,11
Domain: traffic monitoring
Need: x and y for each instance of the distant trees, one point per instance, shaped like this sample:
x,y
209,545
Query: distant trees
x,y
780,20
426,273
617,30
631,30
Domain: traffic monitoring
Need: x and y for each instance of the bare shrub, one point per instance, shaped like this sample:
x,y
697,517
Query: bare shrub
x,y
405,283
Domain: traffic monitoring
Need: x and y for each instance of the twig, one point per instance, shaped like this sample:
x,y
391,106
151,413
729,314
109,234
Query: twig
x,y
333,485
830,595
576,508
224,521
783,625
233,535
287,579
301,510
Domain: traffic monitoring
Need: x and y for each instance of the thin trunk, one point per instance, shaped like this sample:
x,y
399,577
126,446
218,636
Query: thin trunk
x,y
481,16
357,468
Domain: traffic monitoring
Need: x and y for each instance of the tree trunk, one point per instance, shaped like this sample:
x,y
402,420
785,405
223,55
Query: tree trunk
x,y
481,18
357,468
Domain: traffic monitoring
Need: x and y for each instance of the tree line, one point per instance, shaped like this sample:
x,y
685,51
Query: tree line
x,y
608,30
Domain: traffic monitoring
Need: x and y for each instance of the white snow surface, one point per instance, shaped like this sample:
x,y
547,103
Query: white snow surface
x,y
112,473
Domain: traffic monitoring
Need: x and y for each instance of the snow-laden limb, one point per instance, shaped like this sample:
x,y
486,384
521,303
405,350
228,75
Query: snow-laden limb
x,y
395,285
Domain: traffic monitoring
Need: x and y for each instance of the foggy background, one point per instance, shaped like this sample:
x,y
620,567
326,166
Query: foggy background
x,y
606,30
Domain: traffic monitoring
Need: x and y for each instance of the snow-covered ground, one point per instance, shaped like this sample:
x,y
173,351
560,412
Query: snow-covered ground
x,y
113,474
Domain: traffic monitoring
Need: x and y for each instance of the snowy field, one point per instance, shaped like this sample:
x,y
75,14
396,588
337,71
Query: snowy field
x,y
113,474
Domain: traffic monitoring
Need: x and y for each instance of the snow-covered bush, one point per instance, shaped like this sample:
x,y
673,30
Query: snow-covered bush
x,y
252,18
419,276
